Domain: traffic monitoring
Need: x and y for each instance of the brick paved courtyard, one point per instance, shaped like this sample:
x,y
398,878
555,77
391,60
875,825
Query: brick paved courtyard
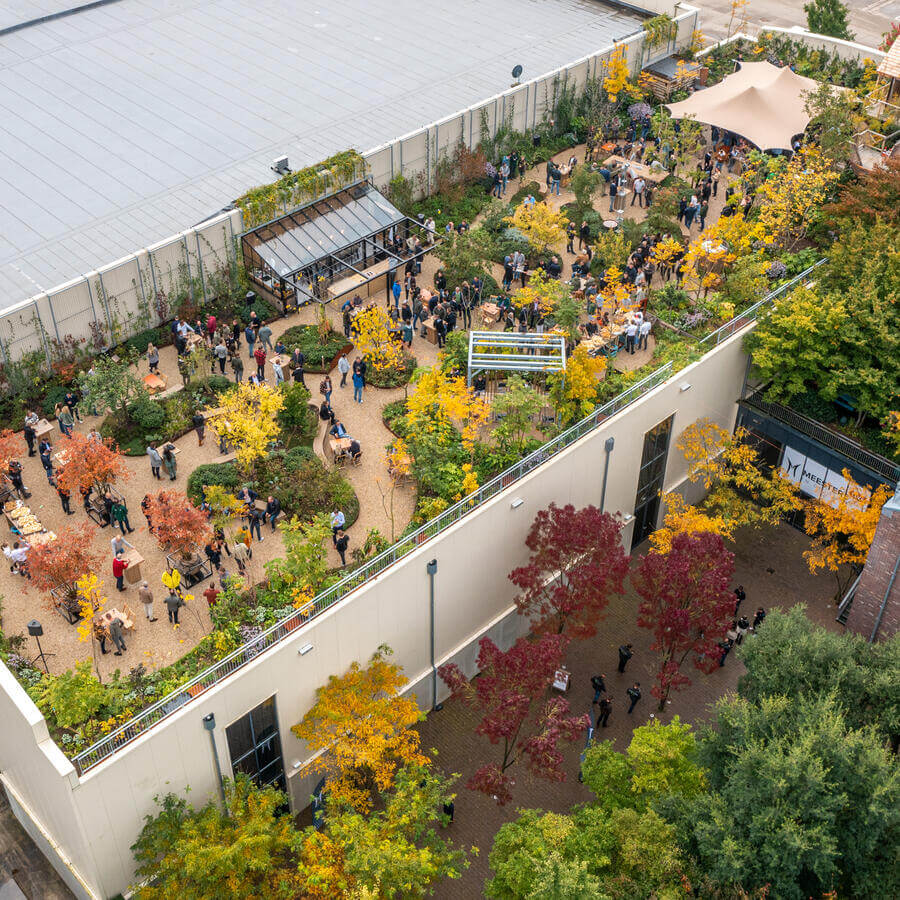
x,y
768,563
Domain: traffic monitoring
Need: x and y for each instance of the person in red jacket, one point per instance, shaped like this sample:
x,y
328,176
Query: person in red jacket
x,y
120,564
259,354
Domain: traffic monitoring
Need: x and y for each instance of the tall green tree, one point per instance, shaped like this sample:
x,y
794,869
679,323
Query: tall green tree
x,y
828,17
466,255
194,854
798,801
110,384
392,851
793,657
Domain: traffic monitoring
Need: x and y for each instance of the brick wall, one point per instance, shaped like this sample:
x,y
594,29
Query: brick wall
x,y
876,577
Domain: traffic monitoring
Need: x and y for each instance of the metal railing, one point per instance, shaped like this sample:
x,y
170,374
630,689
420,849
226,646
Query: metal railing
x,y
115,740
750,314
825,436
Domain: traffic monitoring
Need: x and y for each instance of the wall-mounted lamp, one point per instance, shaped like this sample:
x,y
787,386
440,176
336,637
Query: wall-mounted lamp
x,y
296,764
684,387
516,503
305,649
627,518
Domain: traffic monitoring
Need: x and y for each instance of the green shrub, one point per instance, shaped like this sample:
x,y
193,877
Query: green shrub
x,y
147,414
444,209
217,384
319,354
298,422
391,378
304,486
55,394
224,474
392,415
139,342
262,308
530,189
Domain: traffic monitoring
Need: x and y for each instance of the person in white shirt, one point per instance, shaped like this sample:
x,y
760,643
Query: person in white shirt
x,y
630,335
429,228
118,543
344,368
644,332
638,187
337,524
278,371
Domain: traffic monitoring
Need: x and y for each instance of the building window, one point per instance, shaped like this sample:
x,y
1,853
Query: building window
x,y
254,745
650,480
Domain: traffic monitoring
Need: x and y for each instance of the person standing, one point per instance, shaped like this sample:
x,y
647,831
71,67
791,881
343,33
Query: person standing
x,y
630,337
100,634
199,424
119,514
241,555
212,595
325,389
742,627
169,461
625,653
343,368
155,460
265,335
145,595
120,564
254,518
644,334
45,449
358,384
759,618
725,647
341,546
740,595
221,354
634,694
153,358
277,370
570,238
638,187
64,498
31,421
338,520
65,420
605,710
237,366
173,604
584,236
259,354
118,639
598,683
613,191
250,338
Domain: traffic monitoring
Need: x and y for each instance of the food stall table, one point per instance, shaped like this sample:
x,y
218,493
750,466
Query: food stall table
x,y
340,448
490,313
123,614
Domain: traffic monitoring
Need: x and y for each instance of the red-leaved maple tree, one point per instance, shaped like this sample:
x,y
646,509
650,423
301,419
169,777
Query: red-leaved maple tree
x,y
11,447
509,685
686,603
177,524
577,563
57,565
89,463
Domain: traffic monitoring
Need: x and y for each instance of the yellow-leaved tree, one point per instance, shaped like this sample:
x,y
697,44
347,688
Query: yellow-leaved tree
x,y
248,421
574,391
441,401
842,532
365,728
739,489
540,224
380,348
542,289
616,74
711,255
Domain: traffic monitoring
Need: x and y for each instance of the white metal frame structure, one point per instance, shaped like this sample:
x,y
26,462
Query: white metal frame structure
x,y
507,351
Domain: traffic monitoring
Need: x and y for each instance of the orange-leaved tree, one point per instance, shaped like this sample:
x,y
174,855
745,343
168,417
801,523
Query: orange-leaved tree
x,y
88,463
842,530
365,728
10,448
57,565
178,525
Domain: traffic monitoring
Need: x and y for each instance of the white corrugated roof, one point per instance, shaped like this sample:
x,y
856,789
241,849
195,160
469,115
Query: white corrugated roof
x,y
122,125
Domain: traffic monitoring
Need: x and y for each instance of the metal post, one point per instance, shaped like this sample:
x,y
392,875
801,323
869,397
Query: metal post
x,y
140,278
53,317
105,303
200,264
431,568
209,723
187,262
608,447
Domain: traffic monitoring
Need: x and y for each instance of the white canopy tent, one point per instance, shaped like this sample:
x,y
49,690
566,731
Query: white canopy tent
x,y
761,102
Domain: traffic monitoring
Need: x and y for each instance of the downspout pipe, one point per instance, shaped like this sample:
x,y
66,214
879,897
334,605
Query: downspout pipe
x,y
431,568
209,723
608,447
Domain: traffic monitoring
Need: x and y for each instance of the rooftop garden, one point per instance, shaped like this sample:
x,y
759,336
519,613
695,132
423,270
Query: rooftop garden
x,y
833,339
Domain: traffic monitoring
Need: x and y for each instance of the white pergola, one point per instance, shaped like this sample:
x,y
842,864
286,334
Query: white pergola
x,y
508,351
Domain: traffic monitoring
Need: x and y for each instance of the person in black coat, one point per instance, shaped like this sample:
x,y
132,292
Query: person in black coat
x,y
625,653
273,510
605,710
634,694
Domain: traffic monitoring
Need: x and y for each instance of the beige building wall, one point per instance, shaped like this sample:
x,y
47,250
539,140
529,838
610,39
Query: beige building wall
x,y
95,820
